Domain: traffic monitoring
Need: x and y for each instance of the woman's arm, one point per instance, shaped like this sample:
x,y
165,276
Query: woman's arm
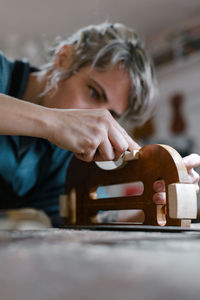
x,y
22,118
92,134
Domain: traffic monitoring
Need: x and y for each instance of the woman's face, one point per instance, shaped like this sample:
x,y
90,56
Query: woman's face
x,y
93,89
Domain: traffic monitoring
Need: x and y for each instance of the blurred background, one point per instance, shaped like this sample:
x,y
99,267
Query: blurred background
x,y
170,28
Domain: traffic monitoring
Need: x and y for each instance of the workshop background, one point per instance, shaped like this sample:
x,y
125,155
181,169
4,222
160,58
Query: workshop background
x,y
171,30
142,264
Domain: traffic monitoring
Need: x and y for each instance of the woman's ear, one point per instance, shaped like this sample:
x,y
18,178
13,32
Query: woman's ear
x,y
63,57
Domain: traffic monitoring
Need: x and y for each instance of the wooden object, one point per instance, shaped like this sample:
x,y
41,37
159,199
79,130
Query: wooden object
x,y
23,219
178,124
153,162
112,165
182,201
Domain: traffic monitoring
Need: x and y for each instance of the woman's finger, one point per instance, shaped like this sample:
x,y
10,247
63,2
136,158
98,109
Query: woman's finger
x,y
192,161
132,145
159,186
159,198
118,141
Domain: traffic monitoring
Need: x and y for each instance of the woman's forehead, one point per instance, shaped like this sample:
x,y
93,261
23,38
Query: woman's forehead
x,y
117,72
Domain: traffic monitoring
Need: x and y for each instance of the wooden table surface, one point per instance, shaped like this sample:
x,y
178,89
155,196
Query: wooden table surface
x,y
95,265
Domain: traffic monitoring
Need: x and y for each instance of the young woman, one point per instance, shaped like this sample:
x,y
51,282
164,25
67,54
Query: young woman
x,y
97,76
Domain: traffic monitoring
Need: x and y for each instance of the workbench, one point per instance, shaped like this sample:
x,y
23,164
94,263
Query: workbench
x,y
60,264
87,260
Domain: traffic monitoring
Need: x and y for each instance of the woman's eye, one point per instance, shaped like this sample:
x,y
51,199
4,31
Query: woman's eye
x,y
94,94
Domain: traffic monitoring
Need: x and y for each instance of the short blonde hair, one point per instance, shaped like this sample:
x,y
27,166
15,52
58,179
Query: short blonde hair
x,y
105,45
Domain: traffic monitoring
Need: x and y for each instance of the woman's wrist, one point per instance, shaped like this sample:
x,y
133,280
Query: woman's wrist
x,y
47,122
41,122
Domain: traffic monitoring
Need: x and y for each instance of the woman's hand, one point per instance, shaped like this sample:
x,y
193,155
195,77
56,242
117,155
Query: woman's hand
x,y
92,134
191,161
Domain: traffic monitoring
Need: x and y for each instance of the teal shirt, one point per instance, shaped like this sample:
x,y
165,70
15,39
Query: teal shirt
x,y
32,170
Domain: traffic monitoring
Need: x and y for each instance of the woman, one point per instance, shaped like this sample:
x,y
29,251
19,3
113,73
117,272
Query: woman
x,y
99,74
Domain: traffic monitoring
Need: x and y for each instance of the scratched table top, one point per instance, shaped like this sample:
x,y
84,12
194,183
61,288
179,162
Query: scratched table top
x,y
94,265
